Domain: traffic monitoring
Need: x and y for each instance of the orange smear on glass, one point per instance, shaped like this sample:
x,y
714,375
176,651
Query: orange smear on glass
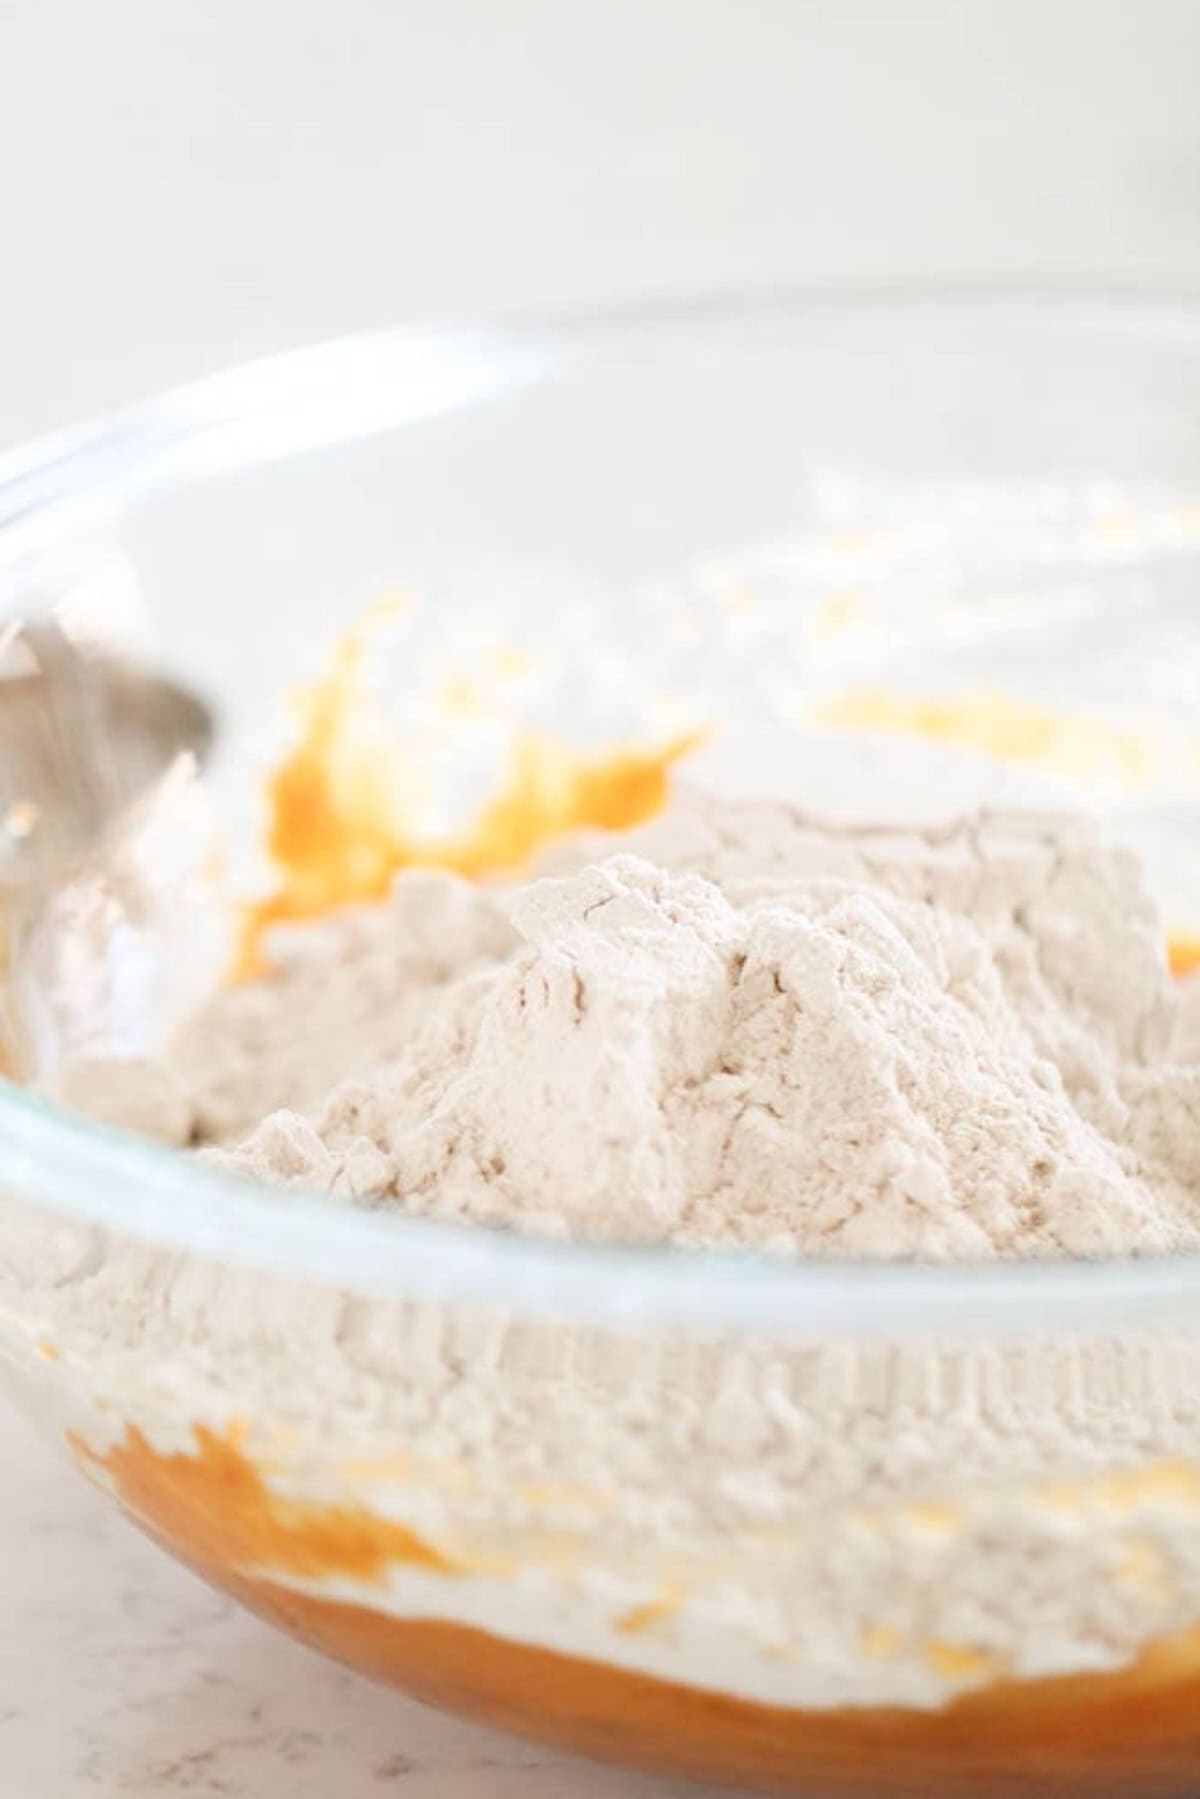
x,y
215,1506
338,832
1012,729
1183,954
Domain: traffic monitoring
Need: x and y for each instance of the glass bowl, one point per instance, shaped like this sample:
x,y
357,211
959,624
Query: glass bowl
x,y
807,1528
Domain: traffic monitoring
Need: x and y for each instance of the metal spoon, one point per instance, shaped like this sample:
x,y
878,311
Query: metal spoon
x,y
83,736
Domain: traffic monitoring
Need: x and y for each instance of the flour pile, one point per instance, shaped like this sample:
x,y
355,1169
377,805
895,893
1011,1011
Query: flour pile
x,y
736,1025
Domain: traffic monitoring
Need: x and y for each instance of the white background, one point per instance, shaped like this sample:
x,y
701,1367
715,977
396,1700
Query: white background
x,y
187,181
183,182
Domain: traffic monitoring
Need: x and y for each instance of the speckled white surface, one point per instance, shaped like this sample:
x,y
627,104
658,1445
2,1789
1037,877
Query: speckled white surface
x,y
124,1677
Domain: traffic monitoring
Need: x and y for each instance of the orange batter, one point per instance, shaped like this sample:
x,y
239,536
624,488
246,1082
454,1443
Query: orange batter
x,y
1076,746
1136,1732
338,831
217,1506
1183,953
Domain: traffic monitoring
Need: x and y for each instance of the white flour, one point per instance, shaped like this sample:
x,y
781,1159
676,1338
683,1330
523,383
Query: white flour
x,y
953,1044
957,1042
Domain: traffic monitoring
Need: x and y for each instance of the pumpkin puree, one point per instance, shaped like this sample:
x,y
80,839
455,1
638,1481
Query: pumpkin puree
x,y
1135,1731
338,831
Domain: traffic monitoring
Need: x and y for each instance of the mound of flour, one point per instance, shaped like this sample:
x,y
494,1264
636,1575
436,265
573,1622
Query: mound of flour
x,y
744,1026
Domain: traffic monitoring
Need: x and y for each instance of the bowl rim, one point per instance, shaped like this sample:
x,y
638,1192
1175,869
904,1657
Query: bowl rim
x,y
474,358
97,1176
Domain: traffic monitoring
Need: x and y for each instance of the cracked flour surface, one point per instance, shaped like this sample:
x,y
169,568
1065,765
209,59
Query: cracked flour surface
x,y
742,1026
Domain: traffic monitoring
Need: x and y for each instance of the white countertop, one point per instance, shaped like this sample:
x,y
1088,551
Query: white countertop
x,y
124,1677
186,184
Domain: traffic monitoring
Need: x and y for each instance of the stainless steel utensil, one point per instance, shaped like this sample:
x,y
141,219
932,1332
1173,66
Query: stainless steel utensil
x,y
83,736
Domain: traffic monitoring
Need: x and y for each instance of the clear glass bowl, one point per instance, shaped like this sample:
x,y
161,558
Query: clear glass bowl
x,y
814,1529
